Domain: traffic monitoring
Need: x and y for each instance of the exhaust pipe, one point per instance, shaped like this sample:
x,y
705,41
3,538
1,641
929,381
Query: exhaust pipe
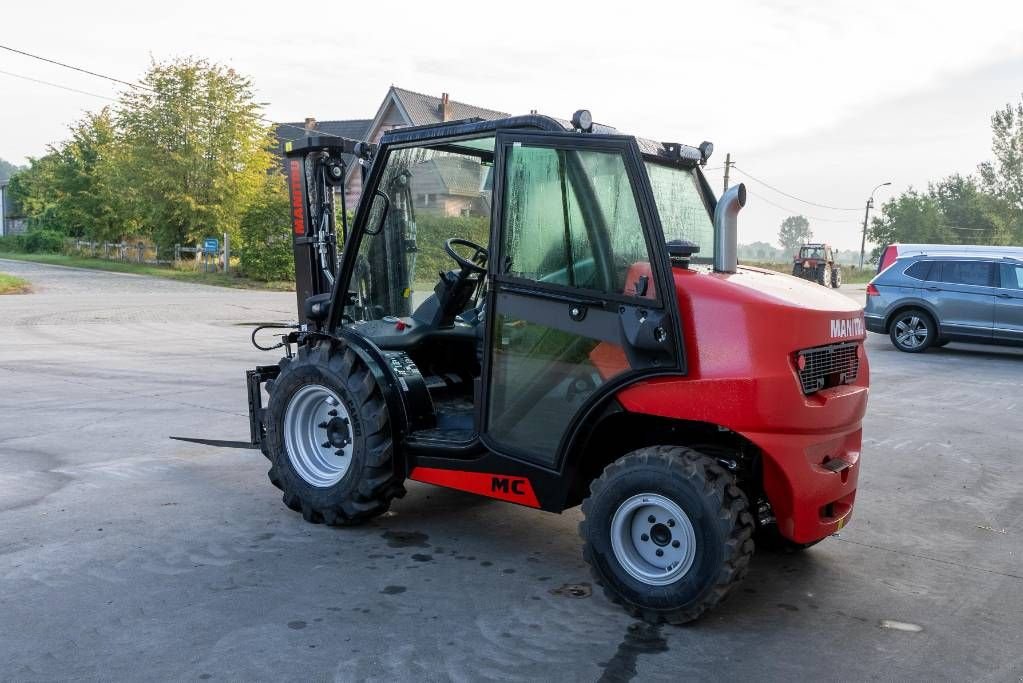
x,y
726,229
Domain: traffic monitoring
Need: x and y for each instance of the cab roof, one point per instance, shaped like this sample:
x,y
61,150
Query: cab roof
x,y
660,151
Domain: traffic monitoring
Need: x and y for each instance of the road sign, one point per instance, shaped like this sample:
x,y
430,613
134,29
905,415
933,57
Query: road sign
x,y
211,245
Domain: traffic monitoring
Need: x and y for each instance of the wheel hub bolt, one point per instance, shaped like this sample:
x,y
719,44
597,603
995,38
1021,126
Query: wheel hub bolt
x,y
671,522
332,413
651,519
675,544
644,537
659,552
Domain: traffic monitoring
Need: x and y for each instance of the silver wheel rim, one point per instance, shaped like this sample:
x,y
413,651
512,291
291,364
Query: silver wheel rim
x,y
911,332
653,539
317,435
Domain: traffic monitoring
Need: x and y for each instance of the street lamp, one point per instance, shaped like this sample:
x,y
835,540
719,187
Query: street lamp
x,y
866,215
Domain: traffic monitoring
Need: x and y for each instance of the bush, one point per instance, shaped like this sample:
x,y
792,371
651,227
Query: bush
x,y
12,243
266,252
44,241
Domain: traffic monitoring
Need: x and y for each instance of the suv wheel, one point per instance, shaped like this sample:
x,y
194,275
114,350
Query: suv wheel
x,y
912,331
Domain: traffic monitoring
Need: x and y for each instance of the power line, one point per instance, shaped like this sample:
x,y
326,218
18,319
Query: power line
x,y
135,85
793,211
75,68
792,196
58,85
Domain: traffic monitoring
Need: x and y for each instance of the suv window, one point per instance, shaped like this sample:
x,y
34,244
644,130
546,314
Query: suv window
x,y
1012,276
968,273
920,270
571,219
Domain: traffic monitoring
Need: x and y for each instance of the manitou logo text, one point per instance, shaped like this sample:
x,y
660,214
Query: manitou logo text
x,y
846,328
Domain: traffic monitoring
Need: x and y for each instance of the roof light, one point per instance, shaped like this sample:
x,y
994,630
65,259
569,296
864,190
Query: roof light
x,y
706,149
582,120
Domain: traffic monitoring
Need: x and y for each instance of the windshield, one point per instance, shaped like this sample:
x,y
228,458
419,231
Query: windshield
x,y
813,252
684,214
432,194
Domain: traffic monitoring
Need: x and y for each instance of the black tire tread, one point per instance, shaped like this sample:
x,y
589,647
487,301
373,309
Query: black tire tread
x,y
718,484
378,484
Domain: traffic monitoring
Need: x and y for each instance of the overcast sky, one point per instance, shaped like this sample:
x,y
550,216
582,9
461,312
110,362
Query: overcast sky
x,y
822,100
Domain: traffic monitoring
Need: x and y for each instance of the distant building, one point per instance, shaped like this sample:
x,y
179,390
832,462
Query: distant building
x,y
12,222
452,190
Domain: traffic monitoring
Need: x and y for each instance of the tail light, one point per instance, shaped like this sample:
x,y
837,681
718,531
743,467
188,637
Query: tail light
x,y
872,290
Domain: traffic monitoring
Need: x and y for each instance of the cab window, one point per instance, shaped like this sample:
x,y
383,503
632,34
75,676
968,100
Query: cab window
x,y
571,219
684,215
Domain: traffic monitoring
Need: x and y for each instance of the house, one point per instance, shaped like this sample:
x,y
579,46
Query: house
x,y
453,188
11,220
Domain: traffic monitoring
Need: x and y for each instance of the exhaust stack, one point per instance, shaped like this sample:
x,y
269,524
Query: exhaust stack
x,y
726,229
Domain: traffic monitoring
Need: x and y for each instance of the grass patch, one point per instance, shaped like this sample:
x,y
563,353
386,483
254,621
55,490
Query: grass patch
x,y
171,273
13,285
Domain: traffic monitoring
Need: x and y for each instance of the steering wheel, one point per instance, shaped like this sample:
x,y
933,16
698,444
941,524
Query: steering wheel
x,y
476,263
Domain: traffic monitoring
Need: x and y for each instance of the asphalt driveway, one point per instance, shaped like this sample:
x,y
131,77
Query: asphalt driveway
x,y
126,555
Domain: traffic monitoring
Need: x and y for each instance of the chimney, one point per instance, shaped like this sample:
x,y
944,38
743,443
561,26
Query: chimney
x,y
310,123
445,108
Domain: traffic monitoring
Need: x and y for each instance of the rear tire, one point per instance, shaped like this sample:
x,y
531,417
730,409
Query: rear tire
x,y
679,503
912,330
329,438
836,277
824,276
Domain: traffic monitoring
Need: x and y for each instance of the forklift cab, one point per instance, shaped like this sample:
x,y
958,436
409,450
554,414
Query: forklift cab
x,y
522,273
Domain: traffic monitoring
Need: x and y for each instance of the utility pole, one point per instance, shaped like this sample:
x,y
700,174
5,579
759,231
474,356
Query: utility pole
x,y
863,240
866,216
728,166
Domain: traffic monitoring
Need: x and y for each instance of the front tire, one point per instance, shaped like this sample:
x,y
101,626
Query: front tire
x,y
667,533
912,331
329,438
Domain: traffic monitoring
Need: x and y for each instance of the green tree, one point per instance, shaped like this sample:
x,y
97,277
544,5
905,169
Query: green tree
x,y
971,215
795,230
909,217
85,181
32,191
196,151
266,253
1003,177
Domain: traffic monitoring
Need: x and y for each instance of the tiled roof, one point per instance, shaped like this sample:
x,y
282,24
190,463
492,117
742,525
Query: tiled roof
x,y
355,129
460,176
425,109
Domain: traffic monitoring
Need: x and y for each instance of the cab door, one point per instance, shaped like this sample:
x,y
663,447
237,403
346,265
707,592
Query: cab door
x,y
579,300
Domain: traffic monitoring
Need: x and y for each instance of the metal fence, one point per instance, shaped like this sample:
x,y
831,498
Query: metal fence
x,y
141,252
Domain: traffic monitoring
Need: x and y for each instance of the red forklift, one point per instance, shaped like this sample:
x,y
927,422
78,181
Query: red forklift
x,y
551,313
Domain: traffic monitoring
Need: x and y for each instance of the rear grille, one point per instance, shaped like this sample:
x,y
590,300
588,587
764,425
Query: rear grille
x,y
828,366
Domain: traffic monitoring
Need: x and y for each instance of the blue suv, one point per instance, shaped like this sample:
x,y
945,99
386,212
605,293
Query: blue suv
x,y
929,300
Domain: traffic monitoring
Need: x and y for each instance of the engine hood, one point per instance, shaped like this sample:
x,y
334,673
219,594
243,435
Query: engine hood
x,y
762,284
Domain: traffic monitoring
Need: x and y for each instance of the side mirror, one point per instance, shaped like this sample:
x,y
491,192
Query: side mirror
x,y
378,213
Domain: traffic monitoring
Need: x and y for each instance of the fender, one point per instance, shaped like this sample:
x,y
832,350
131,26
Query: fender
x,y
913,303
